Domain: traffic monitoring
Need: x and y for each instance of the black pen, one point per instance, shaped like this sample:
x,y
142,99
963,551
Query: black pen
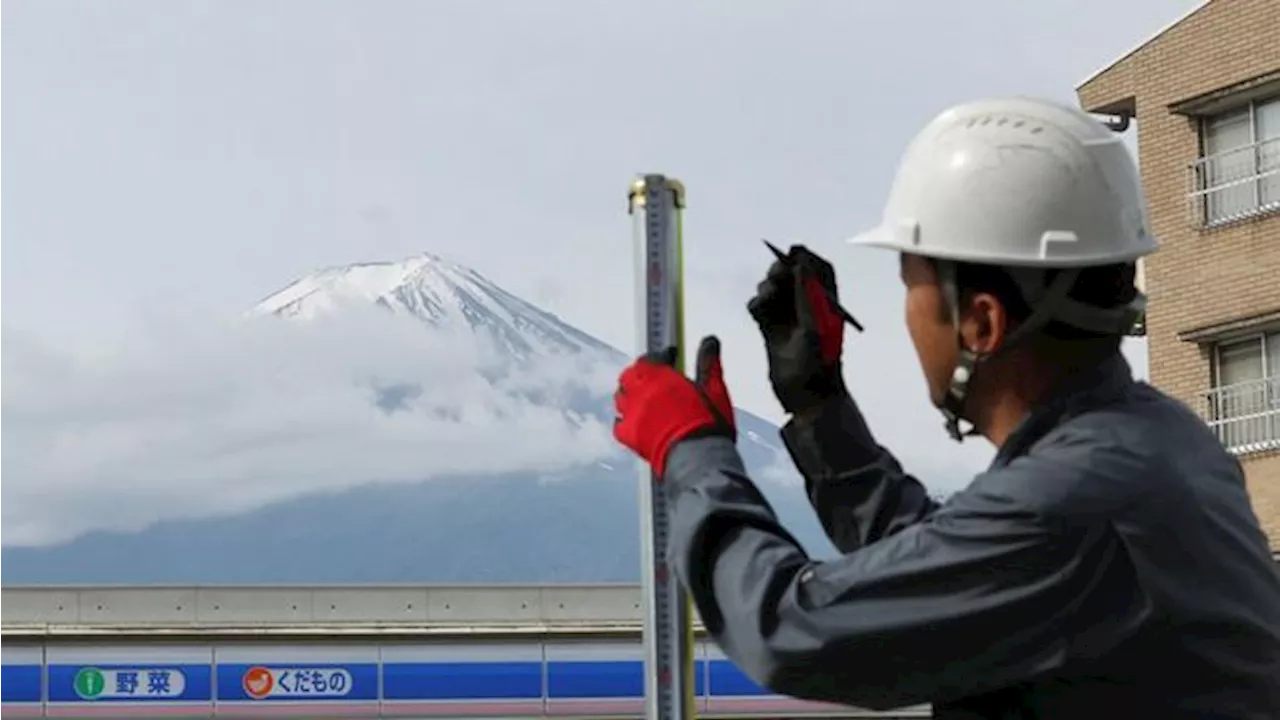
x,y
785,258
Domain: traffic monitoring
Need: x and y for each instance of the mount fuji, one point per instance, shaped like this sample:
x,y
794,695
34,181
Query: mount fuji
x,y
527,372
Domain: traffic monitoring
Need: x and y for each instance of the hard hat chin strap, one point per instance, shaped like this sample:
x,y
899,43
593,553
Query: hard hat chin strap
x,y
952,406
953,403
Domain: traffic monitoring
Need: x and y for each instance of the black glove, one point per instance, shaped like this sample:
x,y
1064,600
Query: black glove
x,y
803,331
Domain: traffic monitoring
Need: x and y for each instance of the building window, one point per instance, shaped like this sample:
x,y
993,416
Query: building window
x,y
1238,173
1244,403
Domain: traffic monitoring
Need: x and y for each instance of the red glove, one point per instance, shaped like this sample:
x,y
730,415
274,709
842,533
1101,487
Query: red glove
x,y
657,406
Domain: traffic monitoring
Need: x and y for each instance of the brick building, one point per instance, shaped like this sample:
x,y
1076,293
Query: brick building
x,y
1205,96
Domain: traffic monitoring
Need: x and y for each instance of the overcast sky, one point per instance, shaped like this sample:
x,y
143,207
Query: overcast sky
x,y
167,163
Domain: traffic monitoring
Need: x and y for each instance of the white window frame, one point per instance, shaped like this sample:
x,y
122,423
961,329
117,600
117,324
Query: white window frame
x,y
1201,191
1259,337
1253,424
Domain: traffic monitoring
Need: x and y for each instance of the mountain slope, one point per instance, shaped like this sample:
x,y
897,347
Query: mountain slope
x,y
511,528
575,524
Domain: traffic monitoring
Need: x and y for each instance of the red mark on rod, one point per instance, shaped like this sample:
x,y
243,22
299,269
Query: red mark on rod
x,y
655,273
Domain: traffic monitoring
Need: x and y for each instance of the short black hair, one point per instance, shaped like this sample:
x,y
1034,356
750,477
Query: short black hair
x,y
1104,286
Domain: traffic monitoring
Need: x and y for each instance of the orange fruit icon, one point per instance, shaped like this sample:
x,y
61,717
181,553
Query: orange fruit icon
x,y
257,682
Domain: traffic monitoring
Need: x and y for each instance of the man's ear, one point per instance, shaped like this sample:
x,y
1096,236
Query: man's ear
x,y
984,324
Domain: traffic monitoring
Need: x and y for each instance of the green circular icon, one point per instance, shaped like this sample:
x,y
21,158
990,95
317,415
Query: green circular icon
x,y
90,683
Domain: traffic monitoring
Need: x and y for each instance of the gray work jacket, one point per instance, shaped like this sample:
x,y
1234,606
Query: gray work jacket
x,y
1107,564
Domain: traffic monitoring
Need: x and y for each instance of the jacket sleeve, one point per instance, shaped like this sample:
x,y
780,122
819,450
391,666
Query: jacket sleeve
x,y
982,595
857,488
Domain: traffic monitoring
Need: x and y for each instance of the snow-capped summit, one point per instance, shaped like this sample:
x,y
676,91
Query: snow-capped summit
x,y
436,291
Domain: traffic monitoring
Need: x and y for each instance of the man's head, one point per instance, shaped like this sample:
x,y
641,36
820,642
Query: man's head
x,y
991,309
1018,222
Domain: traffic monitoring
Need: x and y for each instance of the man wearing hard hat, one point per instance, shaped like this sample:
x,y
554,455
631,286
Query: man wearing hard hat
x,y
1106,564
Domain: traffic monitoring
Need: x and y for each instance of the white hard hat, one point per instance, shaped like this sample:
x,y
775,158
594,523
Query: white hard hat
x,y
1016,182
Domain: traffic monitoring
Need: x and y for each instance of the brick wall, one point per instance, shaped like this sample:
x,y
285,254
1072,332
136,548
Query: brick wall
x,y
1199,277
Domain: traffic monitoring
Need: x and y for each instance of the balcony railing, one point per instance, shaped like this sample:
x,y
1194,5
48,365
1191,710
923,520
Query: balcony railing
x,y
1246,416
1235,185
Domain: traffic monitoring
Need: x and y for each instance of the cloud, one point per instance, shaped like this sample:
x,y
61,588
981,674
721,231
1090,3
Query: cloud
x,y
187,419
780,470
